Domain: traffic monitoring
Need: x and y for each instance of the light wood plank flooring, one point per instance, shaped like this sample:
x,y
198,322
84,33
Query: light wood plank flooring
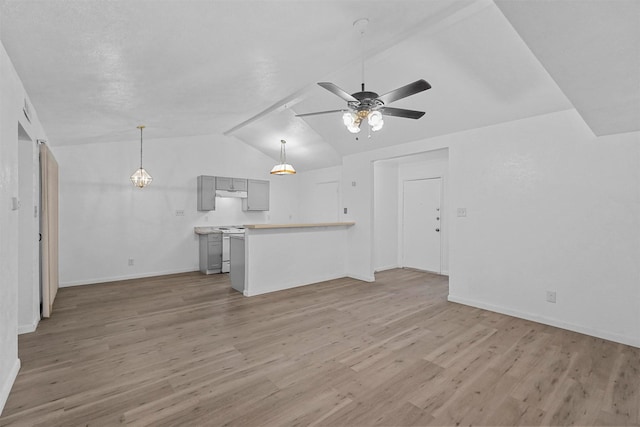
x,y
187,350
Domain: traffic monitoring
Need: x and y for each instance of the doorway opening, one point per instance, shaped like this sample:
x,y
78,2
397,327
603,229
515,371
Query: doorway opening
x,y
407,230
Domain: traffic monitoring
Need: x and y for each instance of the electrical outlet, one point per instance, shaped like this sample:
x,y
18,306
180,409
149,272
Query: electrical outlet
x,y
551,296
130,261
462,212
179,213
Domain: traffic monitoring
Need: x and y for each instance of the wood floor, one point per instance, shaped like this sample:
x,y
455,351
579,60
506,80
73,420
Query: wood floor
x,y
187,350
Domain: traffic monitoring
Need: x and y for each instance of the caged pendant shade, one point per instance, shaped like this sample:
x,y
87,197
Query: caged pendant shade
x,y
141,177
283,168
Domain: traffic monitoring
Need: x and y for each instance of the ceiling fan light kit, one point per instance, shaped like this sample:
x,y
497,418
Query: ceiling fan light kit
x,y
370,105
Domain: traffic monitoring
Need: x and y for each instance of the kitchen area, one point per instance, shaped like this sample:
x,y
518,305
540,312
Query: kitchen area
x,y
212,193
262,258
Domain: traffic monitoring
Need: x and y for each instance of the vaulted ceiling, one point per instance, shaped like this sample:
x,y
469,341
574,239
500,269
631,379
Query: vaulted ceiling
x,y
95,69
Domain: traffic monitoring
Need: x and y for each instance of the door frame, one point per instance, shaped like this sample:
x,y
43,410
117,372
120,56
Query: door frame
x,y
29,290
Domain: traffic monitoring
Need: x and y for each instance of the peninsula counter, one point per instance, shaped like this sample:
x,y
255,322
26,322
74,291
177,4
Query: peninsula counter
x,y
283,256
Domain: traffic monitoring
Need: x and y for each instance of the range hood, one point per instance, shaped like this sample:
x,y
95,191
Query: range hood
x,y
231,193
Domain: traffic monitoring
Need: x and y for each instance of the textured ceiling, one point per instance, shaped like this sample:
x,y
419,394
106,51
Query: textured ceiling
x,y
95,69
592,51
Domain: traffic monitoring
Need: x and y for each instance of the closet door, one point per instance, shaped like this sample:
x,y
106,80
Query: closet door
x,y
49,228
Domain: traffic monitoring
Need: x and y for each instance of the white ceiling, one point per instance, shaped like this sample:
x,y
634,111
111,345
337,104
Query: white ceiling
x,y
95,69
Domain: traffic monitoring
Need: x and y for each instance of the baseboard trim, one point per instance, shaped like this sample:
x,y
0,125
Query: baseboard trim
x,y
362,278
385,268
316,281
125,277
8,384
622,339
27,329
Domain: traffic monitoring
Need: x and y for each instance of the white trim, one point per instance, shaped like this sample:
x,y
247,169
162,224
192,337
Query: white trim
x,y
6,387
26,329
125,277
270,291
369,279
387,267
632,341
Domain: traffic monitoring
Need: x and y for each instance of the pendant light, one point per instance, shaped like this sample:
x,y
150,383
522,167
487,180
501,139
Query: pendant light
x,y
283,168
141,177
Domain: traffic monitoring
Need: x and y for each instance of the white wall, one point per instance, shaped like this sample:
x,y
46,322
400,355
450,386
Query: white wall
x,y
385,215
550,207
11,114
316,203
105,220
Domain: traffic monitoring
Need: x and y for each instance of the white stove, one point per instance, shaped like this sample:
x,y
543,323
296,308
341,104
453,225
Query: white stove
x,y
226,233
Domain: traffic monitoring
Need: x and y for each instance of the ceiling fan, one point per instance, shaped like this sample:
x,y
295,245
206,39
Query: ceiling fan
x,y
370,105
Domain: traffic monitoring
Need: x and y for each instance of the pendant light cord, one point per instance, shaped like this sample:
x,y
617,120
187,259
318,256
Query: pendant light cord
x,y
141,127
283,154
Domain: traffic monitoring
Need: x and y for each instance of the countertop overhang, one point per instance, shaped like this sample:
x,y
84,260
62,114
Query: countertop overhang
x,y
206,230
306,225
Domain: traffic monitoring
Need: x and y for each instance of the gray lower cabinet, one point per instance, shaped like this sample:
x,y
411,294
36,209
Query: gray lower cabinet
x,y
257,196
236,272
211,253
206,193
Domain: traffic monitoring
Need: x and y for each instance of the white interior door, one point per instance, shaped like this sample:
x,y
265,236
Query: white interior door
x,y
421,224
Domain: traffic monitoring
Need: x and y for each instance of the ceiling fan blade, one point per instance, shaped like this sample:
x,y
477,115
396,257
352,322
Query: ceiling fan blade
x,y
319,112
337,91
401,112
404,91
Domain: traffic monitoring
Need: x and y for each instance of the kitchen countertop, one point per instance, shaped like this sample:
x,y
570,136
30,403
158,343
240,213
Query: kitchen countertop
x,y
314,224
206,230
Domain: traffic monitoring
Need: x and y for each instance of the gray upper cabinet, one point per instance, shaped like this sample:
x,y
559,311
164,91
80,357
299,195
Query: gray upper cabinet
x,y
206,193
231,184
257,196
